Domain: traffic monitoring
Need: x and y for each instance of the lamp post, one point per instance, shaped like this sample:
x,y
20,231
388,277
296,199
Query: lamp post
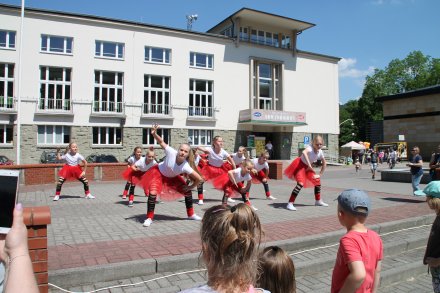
x,y
346,120
20,50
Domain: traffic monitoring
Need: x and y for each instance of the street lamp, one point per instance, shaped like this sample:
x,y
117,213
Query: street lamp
x,y
352,124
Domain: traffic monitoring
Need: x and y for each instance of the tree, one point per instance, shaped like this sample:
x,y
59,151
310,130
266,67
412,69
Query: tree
x,y
346,128
414,72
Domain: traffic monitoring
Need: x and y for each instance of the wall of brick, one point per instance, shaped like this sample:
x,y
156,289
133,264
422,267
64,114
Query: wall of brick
x,y
36,220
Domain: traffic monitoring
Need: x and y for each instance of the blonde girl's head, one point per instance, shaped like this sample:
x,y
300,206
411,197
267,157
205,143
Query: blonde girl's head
x,y
72,148
318,142
276,271
150,155
230,242
242,151
191,157
433,203
247,165
217,142
264,156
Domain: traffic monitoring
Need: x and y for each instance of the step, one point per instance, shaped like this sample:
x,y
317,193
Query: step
x,y
149,267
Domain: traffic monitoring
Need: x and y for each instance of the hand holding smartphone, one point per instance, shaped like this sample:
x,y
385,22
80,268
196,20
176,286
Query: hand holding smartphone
x,y
8,198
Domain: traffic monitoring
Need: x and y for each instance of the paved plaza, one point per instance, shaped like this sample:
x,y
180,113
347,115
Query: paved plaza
x,y
105,233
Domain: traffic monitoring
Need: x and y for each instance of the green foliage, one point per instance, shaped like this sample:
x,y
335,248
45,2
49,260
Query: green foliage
x,y
414,72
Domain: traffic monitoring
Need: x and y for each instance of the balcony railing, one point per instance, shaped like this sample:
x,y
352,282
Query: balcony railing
x,y
201,113
108,108
54,106
156,110
7,104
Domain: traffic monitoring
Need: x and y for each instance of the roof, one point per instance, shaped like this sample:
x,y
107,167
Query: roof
x,y
431,90
265,17
106,19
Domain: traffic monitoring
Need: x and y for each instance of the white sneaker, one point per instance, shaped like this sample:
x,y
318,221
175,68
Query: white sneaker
x,y
290,207
147,222
90,196
56,198
200,203
130,204
195,218
320,203
230,200
254,208
271,197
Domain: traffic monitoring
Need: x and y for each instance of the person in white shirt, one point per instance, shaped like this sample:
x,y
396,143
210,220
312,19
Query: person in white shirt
x,y
216,165
165,178
137,154
260,173
239,156
72,170
233,182
269,148
137,170
302,172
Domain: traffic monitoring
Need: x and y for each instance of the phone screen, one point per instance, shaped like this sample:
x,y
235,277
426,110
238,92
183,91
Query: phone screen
x,y
8,192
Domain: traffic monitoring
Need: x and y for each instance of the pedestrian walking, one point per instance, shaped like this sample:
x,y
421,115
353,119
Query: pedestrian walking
x,y
434,165
373,164
416,165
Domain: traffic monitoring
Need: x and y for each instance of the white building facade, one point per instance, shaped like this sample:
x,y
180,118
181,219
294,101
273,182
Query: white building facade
x,y
103,82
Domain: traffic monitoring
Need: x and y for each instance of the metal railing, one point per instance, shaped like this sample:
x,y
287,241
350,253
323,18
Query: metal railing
x,y
54,105
156,109
7,104
201,112
105,107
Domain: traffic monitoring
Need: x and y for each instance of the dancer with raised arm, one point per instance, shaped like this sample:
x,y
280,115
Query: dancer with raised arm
x,y
165,178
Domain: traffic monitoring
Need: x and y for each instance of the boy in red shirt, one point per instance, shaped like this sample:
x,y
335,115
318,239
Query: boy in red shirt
x,y
358,263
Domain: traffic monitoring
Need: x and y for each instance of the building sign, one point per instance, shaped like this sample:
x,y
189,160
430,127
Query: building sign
x,y
258,116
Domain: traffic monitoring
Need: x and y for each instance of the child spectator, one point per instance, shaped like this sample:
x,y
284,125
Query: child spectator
x,y
230,241
357,165
432,253
277,272
358,262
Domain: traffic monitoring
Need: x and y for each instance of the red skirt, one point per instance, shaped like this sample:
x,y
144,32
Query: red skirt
x,y
299,172
223,183
210,172
169,188
70,172
134,177
258,178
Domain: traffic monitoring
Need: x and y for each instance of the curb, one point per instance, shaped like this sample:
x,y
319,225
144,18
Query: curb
x,y
109,272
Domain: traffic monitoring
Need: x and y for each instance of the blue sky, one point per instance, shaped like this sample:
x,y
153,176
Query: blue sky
x,y
366,34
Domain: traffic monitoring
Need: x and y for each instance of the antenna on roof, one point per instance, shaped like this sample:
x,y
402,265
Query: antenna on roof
x,y
189,21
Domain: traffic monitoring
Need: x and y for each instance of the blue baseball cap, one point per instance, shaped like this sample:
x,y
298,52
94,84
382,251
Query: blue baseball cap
x,y
432,189
352,199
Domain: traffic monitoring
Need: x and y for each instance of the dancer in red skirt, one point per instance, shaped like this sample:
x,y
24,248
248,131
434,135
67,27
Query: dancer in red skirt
x,y
216,165
233,182
137,170
261,172
165,177
302,171
137,154
72,170
239,157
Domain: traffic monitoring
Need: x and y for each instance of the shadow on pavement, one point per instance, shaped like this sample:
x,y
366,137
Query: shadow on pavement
x,y
69,196
140,218
282,205
403,200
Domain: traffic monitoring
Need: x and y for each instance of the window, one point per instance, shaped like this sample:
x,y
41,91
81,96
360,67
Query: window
x,y
199,136
201,60
266,86
148,139
56,44
6,86
7,39
109,50
48,134
157,55
200,98
227,32
108,91
156,95
244,35
6,134
107,135
265,38
55,87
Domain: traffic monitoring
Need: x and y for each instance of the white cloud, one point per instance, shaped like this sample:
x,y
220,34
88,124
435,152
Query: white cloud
x,y
392,2
347,68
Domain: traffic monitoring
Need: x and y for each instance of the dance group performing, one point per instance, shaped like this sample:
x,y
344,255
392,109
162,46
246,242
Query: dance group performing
x,y
185,169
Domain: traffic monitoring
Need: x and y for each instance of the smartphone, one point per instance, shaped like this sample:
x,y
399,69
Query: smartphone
x,y
8,198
